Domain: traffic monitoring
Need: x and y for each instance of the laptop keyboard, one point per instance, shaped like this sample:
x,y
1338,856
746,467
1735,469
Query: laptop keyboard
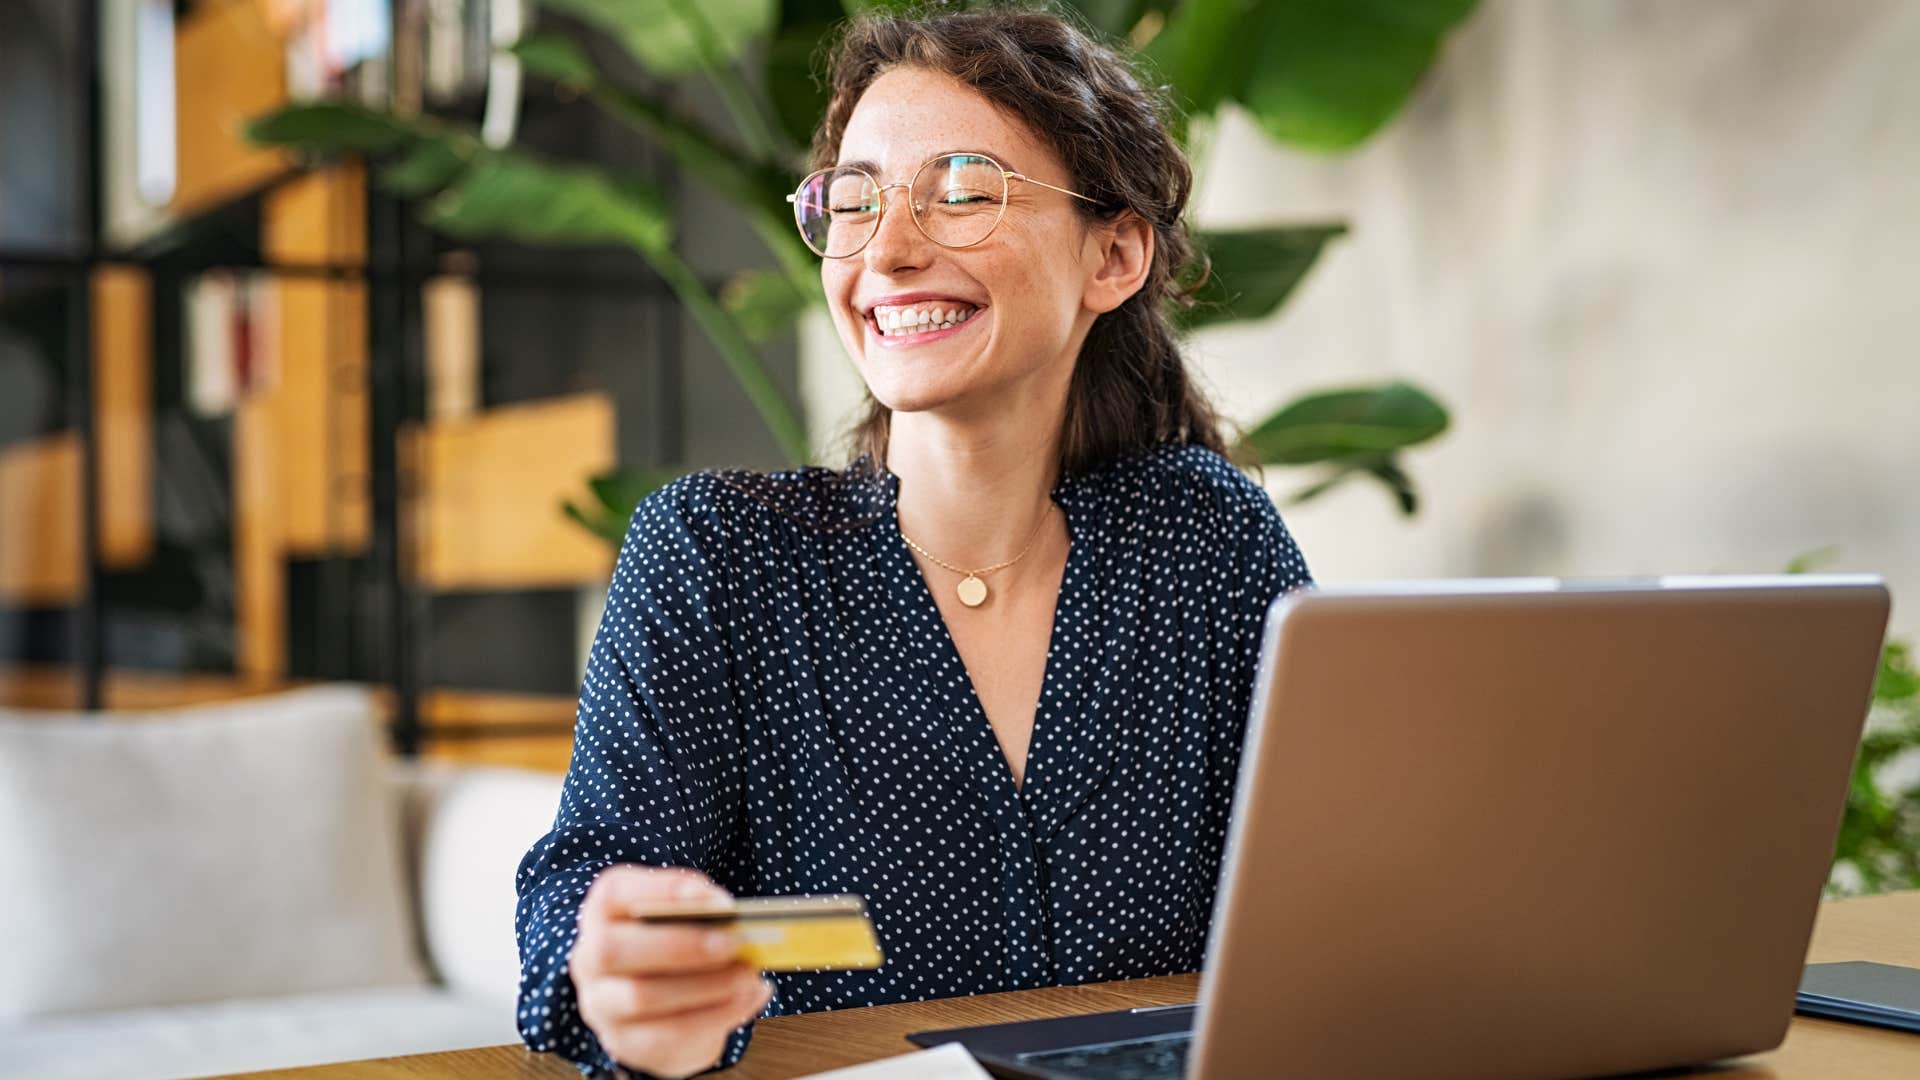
x,y
1162,1057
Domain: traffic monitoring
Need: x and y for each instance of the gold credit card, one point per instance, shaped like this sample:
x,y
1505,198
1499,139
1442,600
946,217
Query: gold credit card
x,y
783,933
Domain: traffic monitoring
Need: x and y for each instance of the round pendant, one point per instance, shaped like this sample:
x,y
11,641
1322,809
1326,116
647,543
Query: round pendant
x,y
973,591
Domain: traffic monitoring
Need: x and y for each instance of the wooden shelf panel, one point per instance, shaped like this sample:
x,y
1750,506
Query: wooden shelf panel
x,y
229,68
490,488
123,413
40,524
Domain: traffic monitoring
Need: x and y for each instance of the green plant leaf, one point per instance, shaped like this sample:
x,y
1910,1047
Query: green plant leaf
x,y
1322,74
617,492
1329,73
766,303
1384,469
430,155
427,166
514,196
677,37
597,522
620,490
1204,50
1359,426
1251,272
1389,473
1808,561
555,56
1897,680
331,128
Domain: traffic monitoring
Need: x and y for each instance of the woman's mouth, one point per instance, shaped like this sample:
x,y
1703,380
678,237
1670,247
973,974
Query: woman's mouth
x,y
913,324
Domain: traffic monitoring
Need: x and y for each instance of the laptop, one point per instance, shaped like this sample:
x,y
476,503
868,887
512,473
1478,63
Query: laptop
x,y
1512,828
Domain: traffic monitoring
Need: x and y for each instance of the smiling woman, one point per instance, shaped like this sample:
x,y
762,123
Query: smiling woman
x,y
994,674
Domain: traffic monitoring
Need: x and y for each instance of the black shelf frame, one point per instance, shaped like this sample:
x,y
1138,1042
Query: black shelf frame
x,y
400,260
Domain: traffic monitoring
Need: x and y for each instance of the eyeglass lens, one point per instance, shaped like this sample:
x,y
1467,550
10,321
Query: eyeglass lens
x,y
955,199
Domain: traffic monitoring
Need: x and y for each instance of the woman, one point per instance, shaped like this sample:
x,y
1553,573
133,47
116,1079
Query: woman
x,y
994,675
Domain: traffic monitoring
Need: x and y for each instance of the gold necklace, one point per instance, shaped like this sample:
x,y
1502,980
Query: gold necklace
x,y
973,591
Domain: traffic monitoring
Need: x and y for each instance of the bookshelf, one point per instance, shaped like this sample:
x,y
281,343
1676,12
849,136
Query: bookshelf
x,y
343,509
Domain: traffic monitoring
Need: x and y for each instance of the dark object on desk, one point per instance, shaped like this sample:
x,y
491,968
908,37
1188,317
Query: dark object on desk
x,y
1581,830
1865,993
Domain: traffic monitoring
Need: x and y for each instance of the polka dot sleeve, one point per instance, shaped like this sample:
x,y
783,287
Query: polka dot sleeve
x,y
655,776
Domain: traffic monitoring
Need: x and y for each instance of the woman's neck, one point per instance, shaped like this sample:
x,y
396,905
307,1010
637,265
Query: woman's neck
x,y
973,494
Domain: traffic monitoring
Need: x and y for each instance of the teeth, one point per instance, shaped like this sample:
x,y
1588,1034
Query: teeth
x,y
915,320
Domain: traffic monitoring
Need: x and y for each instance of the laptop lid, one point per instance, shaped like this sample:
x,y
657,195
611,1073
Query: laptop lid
x,y
1527,827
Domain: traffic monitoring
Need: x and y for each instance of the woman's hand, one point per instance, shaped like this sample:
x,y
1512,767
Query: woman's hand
x,y
661,999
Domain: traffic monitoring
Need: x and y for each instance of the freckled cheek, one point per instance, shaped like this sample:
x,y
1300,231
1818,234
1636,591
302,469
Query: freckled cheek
x,y
1028,306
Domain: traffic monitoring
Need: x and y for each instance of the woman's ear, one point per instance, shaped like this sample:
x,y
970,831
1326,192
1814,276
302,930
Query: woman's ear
x,y
1122,255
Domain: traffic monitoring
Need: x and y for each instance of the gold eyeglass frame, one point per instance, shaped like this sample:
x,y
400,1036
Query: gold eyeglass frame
x,y
1007,176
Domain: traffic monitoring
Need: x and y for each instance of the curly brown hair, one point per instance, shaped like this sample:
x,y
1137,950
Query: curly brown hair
x,y
1130,389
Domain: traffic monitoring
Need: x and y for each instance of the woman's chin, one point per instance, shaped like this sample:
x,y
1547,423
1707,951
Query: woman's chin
x,y
919,382
915,395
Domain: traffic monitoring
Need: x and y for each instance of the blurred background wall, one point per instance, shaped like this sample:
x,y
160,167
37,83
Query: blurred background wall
x,y
1662,262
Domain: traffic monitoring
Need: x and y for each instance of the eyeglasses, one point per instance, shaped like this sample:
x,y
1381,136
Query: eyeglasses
x,y
956,199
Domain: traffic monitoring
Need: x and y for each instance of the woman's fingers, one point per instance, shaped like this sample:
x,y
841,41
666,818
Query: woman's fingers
x,y
661,998
621,888
684,1043
631,947
622,998
611,942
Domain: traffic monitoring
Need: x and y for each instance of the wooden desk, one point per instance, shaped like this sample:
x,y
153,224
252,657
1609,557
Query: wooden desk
x,y
1884,928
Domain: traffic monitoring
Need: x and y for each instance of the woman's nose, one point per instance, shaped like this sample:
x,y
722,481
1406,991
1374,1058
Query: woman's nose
x,y
898,244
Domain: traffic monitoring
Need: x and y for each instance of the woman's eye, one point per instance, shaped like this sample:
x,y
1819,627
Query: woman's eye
x,y
848,211
962,198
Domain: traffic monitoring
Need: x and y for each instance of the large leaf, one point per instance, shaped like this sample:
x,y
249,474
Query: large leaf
x,y
427,155
722,167
535,202
1322,74
555,56
1383,468
677,37
482,192
429,165
1205,49
330,128
616,493
1252,271
1329,73
621,489
1354,426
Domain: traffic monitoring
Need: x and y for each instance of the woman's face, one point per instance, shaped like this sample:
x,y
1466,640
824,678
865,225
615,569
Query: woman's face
x,y
1028,292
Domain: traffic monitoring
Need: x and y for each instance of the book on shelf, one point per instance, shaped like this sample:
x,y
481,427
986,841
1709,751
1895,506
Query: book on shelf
x,y
398,54
230,324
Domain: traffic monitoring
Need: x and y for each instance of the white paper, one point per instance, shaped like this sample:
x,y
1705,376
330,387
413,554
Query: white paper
x,y
948,1061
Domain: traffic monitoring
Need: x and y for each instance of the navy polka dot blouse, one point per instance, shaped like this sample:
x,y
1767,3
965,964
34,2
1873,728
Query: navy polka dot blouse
x,y
773,698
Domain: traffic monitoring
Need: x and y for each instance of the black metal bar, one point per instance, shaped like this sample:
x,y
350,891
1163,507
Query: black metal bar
x,y
90,625
386,350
